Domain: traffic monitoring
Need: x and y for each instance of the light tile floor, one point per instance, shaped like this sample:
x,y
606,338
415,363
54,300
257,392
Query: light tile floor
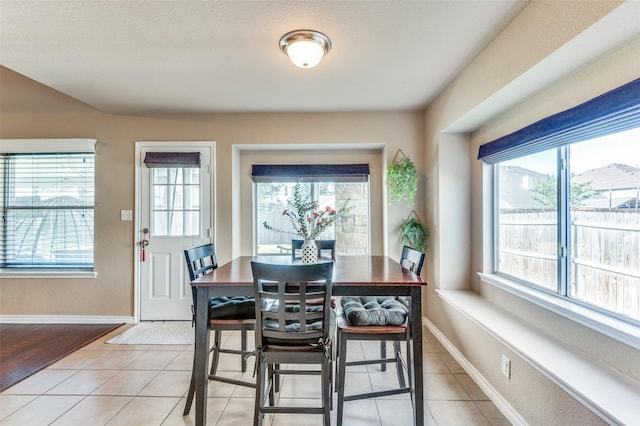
x,y
104,384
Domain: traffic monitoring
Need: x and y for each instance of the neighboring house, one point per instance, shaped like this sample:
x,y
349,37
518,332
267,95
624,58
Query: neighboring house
x,y
618,186
516,184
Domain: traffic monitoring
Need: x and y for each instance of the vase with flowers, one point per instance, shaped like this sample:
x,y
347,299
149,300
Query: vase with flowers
x,y
308,220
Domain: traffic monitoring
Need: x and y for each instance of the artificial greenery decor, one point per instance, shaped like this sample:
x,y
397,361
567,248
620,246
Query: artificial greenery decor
x,y
413,233
402,179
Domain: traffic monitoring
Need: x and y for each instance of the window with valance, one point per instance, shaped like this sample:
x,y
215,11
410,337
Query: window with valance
x,y
567,203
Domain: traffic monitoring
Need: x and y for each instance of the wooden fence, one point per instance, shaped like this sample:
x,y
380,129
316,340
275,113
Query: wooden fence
x,y
605,255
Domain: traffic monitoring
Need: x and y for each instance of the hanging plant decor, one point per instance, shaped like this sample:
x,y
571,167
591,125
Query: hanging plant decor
x,y
413,233
402,179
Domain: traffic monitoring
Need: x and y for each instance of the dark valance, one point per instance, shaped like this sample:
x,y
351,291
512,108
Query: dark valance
x,y
172,159
310,172
612,112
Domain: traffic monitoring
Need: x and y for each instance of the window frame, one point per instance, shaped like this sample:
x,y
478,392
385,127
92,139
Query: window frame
x,y
612,112
315,196
311,174
564,254
51,146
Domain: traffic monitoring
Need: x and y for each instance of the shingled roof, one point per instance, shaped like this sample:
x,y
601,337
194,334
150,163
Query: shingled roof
x,y
612,176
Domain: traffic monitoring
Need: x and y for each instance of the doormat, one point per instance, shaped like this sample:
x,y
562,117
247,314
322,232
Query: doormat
x,y
156,333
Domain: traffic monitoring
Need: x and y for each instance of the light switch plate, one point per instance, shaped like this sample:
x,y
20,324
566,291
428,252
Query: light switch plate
x,y
126,215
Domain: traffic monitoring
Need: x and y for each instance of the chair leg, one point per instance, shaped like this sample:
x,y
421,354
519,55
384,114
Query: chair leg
x,y
336,376
399,366
342,360
276,380
243,347
216,352
331,371
383,354
326,392
270,379
192,390
258,415
409,359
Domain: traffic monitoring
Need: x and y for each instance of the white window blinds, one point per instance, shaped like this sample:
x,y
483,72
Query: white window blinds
x,y
47,206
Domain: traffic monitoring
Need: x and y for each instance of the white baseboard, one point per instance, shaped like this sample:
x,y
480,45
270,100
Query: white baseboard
x,y
502,404
63,319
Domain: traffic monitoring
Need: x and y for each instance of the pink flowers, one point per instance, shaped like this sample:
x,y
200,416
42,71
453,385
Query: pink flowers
x,y
306,219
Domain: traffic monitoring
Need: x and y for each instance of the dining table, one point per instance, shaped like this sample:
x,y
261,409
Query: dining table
x,y
353,275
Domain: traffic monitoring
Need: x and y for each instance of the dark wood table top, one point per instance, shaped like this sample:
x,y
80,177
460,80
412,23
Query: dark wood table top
x,y
358,270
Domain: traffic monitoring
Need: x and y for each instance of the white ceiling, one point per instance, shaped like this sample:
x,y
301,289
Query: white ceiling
x,y
187,56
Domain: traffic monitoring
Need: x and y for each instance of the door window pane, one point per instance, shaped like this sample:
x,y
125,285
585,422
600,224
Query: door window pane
x,y
176,202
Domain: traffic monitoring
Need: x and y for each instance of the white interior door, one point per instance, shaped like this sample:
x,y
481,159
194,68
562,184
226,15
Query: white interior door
x,y
175,204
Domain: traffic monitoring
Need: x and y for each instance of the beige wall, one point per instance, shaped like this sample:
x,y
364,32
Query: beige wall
x,y
461,224
111,294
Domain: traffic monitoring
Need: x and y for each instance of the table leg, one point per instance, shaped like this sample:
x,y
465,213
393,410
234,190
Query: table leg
x,y
201,354
416,333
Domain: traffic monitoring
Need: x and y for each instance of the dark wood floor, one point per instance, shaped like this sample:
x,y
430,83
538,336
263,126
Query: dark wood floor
x,y
28,348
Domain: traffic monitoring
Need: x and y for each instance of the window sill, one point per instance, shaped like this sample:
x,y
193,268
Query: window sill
x,y
614,398
50,274
616,329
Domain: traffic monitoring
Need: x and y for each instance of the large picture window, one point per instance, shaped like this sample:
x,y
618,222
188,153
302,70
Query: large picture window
x,y
47,206
330,185
567,204
601,214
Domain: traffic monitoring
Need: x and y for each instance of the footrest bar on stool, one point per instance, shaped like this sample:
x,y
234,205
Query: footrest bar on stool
x,y
292,410
376,394
231,381
371,361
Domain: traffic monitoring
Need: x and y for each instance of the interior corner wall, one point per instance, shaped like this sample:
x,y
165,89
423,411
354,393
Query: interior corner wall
x,y
454,242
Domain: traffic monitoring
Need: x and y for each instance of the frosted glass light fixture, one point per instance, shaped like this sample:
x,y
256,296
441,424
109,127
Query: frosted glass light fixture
x,y
305,48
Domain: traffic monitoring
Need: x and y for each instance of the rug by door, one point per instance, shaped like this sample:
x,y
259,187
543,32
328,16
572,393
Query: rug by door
x,y
28,348
156,333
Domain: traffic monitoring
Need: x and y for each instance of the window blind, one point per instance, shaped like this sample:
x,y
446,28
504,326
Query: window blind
x,y
47,210
12,146
310,172
172,159
612,112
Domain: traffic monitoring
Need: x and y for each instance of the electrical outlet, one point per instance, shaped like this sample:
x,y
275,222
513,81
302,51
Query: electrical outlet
x,y
506,367
126,215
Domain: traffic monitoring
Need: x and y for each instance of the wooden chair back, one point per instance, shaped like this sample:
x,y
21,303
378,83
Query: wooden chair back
x,y
200,260
412,259
326,249
284,315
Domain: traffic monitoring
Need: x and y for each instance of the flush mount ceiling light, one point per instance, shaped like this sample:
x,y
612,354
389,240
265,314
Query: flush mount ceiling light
x,y
305,48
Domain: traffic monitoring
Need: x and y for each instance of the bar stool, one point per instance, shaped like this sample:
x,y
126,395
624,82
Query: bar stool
x,y
225,314
369,318
290,331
